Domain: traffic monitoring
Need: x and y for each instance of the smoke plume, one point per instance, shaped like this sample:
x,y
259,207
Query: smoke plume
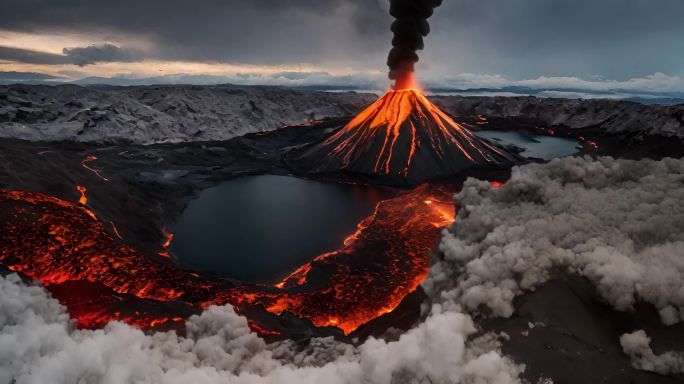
x,y
409,28
619,223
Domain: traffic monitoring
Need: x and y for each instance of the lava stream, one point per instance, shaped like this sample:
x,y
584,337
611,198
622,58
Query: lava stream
x,y
402,138
60,243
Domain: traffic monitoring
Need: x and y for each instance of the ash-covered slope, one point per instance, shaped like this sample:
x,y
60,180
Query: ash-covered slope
x,y
614,116
402,138
153,114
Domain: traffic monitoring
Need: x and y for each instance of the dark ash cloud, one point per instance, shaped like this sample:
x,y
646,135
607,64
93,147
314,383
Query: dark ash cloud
x,y
409,28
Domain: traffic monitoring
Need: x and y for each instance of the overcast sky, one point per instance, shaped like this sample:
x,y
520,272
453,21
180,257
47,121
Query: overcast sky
x,y
486,40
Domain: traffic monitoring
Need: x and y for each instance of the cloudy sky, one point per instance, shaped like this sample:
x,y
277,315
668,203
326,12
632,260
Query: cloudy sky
x,y
575,43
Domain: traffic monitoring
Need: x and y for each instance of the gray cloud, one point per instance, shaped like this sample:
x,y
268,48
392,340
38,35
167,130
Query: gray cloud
x,y
608,220
80,56
101,53
31,57
255,32
637,345
617,39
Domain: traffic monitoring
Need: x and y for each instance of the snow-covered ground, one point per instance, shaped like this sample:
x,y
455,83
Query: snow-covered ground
x,y
154,114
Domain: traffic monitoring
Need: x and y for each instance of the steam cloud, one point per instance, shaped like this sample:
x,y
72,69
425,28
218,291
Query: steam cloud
x,y
637,345
38,344
409,28
619,223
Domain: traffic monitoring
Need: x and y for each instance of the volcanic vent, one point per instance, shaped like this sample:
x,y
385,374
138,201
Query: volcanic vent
x,y
402,138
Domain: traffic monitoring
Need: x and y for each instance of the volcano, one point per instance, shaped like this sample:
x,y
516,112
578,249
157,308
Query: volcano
x,y
402,138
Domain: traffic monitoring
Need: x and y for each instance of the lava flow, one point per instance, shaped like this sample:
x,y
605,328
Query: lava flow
x,y
65,247
85,165
404,137
379,265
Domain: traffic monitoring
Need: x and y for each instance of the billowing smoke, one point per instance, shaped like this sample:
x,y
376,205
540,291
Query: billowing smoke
x,y
619,223
409,28
38,344
637,345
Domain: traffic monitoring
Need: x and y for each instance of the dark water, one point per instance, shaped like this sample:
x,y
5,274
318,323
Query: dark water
x,y
260,228
542,147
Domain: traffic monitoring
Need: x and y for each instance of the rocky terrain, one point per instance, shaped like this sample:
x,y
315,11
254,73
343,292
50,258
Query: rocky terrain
x,y
156,114
614,117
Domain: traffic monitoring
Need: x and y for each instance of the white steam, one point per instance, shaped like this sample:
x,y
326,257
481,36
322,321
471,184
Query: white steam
x,y
620,223
38,344
638,346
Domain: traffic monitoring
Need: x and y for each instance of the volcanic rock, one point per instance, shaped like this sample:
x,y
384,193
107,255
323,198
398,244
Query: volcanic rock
x,y
160,114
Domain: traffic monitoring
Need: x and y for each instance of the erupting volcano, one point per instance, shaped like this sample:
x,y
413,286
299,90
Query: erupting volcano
x,y
402,138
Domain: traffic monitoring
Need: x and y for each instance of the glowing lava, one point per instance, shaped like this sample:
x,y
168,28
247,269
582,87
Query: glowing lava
x,y
402,136
385,260
64,246
168,238
82,190
85,165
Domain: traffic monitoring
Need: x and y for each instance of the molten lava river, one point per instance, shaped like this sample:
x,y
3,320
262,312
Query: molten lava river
x,y
85,264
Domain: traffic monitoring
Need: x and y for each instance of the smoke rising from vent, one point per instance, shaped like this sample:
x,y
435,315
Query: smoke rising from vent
x,y
409,28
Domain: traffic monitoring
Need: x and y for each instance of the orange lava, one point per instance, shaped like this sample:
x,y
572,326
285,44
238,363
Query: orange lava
x,y
168,238
379,265
407,80
261,330
60,243
85,165
55,241
400,127
82,190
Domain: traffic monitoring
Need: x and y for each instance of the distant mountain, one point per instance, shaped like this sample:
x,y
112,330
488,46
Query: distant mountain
x,y
12,77
322,81
644,97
